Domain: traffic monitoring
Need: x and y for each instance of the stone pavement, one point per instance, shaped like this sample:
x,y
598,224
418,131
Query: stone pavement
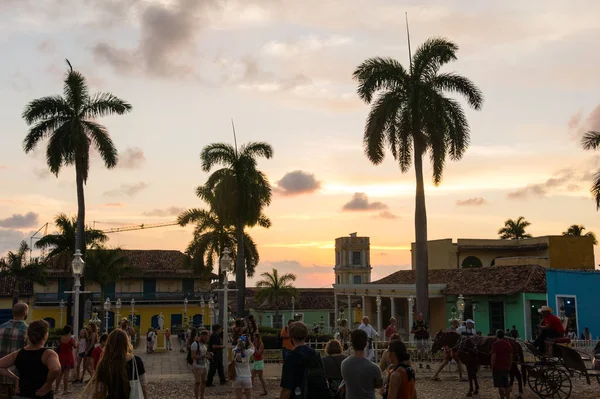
x,y
173,365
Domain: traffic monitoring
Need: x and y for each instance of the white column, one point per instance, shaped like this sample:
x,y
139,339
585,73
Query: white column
x,y
410,319
350,257
349,311
335,310
393,307
378,303
363,258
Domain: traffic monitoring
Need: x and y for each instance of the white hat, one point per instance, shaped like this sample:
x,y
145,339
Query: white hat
x,y
545,309
470,321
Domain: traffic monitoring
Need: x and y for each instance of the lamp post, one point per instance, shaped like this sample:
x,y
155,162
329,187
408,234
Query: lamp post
x,y
378,303
118,306
202,313
226,263
474,307
106,309
61,305
95,320
77,266
293,308
211,311
411,301
460,304
132,312
185,303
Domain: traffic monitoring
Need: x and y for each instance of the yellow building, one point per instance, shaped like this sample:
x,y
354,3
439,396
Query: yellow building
x,y
7,285
352,260
557,252
163,282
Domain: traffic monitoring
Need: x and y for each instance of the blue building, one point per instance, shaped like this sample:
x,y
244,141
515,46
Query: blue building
x,y
575,292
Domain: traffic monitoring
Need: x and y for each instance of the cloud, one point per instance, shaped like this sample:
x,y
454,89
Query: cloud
x,y
10,239
298,182
387,215
47,47
360,202
42,173
167,30
579,125
115,205
171,211
562,180
127,189
131,158
305,45
306,275
16,221
3,167
474,201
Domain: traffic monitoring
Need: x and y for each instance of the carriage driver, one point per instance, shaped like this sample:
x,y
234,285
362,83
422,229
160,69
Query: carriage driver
x,y
551,327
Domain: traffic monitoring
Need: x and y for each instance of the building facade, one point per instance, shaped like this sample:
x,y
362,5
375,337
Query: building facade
x,y
574,294
558,252
161,284
352,260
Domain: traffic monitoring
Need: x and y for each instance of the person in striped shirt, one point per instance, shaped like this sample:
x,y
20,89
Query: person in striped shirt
x,y
13,335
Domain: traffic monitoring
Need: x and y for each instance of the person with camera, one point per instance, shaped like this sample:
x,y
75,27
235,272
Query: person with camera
x,y
371,335
199,354
242,353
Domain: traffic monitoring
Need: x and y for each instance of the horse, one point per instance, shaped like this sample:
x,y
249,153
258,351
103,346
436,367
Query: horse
x,y
475,351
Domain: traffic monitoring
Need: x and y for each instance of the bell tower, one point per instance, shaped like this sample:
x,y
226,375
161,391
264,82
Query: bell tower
x,y
352,260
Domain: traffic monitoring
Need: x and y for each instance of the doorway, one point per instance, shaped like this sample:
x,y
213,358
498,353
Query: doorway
x,y
496,316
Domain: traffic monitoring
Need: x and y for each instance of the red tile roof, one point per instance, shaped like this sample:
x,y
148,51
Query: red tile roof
x,y
495,280
7,285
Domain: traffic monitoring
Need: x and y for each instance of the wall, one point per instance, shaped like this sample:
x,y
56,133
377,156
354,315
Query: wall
x,y
571,252
441,254
584,286
523,260
488,256
264,318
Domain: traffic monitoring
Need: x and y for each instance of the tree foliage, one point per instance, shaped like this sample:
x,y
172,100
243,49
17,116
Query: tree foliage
x,y
15,265
577,230
514,229
591,141
273,287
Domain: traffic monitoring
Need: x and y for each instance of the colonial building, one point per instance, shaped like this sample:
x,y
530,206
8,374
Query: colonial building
x,y
7,285
161,284
558,252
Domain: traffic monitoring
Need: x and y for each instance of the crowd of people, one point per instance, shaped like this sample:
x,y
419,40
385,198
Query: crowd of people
x,y
30,369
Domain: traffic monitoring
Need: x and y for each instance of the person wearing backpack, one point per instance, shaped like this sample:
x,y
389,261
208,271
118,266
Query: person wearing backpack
x,y
361,376
199,355
303,376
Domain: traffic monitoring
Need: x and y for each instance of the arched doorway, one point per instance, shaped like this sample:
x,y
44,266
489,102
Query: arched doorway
x,y
471,262
51,322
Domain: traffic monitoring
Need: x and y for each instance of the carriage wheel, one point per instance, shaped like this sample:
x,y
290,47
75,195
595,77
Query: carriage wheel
x,y
598,378
533,373
553,383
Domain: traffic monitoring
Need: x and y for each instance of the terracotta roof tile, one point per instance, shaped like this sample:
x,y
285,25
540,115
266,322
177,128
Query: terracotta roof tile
x,y
7,285
436,276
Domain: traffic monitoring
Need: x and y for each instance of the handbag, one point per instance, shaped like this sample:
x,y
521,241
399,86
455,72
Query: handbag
x,y
231,370
135,385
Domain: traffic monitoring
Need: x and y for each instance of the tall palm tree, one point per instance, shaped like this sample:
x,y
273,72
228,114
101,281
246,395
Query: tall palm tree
x,y
413,116
212,235
514,229
274,287
14,266
62,243
577,230
241,193
105,266
69,123
591,141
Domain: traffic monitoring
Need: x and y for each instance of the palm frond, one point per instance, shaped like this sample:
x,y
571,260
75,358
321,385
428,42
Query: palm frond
x,y
590,140
103,143
383,114
377,74
596,189
431,55
255,149
76,91
458,84
103,104
217,154
44,108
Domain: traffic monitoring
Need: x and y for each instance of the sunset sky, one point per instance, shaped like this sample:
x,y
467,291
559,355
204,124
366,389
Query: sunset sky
x,y
282,69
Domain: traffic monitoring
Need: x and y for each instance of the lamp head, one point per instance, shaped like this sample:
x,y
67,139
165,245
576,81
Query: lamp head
x,y
226,260
78,264
119,303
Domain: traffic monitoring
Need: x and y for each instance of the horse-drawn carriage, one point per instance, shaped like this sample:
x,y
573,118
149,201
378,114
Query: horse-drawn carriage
x,y
550,374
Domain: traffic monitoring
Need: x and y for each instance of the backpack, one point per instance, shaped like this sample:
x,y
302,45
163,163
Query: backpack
x,y
314,383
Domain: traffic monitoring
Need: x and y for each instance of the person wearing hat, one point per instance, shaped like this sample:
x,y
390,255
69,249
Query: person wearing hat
x,y
551,327
468,329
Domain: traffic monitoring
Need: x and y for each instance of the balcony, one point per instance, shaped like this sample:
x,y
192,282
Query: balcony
x,y
48,298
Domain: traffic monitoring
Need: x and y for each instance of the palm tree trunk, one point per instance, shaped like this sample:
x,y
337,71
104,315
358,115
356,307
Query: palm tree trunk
x,y
80,235
421,258
240,270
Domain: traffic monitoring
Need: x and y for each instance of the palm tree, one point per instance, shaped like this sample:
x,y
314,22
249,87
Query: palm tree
x,y
14,266
576,230
274,287
591,141
241,193
69,122
413,116
514,229
62,243
105,266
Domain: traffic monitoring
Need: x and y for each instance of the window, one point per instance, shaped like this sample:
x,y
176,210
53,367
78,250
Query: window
x,y
356,258
568,304
496,316
337,258
471,261
331,319
338,278
149,289
109,291
357,280
187,286
298,316
278,321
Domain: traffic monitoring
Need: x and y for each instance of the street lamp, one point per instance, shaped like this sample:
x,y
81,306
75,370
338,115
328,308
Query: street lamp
x,y
293,308
61,305
211,311
460,304
95,320
118,306
378,303
132,312
411,301
202,311
106,309
226,263
77,266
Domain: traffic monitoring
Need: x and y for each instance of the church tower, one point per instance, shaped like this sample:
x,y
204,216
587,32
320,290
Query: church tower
x,y
352,260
